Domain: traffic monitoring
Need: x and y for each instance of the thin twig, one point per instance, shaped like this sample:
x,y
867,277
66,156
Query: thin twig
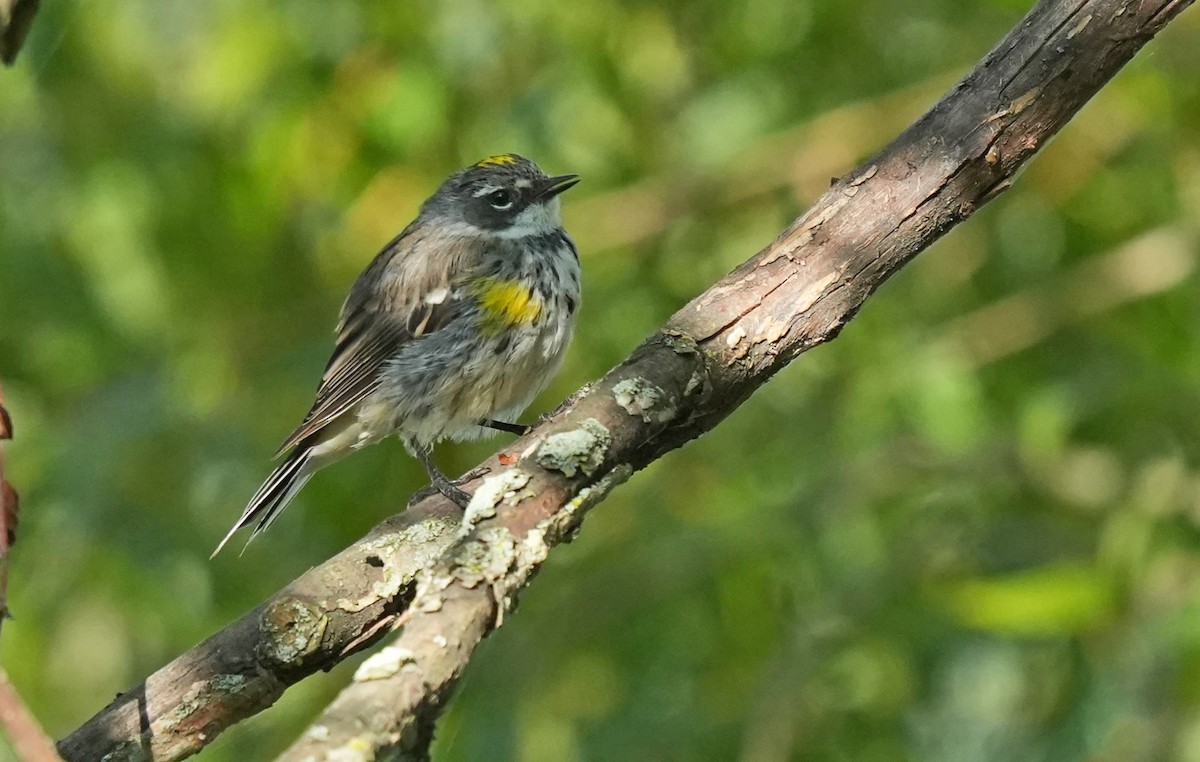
x,y
9,502
28,740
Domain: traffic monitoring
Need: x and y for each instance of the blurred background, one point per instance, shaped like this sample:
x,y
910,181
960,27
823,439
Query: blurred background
x,y
968,529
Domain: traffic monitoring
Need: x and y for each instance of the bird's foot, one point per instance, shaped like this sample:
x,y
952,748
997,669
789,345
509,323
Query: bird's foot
x,y
449,488
452,493
445,488
440,482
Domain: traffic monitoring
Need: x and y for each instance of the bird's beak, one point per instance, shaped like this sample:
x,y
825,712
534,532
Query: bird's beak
x,y
552,186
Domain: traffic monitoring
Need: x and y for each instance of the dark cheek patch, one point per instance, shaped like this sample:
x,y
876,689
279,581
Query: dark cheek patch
x,y
481,214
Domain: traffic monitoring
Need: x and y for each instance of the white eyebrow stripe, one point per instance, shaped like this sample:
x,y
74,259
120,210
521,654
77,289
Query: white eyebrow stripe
x,y
484,190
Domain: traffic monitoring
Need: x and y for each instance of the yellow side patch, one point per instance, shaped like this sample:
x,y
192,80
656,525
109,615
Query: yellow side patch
x,y
503,160
506,304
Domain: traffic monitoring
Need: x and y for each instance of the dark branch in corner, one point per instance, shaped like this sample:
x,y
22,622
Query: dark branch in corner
x,y
449,588
27,739
16,16
9,508
17,723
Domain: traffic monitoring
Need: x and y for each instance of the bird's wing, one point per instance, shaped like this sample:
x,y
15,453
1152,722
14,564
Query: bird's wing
x,y
401,296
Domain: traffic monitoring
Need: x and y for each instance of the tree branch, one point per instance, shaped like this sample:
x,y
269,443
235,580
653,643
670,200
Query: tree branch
x,y
449,591
9,510
29,741
328,613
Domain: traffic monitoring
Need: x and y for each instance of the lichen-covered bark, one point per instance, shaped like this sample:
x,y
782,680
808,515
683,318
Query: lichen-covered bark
x,y
315,622
451,589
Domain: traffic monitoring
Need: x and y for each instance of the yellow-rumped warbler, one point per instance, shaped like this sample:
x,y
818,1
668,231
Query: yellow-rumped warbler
x,y
450,332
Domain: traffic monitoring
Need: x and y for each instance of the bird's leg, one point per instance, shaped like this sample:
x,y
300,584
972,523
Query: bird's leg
x,y
520,429
510,428
440,481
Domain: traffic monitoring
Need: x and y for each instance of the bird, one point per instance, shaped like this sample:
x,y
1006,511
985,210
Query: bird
x,y
449,333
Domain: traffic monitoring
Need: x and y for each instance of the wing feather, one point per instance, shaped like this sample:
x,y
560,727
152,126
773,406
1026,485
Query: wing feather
x,y
389,305
352,375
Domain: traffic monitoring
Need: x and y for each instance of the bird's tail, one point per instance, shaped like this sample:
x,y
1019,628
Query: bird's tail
x,y
275,493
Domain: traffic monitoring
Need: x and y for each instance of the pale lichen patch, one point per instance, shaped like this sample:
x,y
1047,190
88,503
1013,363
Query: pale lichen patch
x,y
426,538
680,343
387,663
422,542
580,449
696,381
567,520
388,587
637,396
428,604
293,629
487,557
535,549
317,733
735,336
506,487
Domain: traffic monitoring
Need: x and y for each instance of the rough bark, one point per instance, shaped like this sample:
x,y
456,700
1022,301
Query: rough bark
x,y
450,587
316,621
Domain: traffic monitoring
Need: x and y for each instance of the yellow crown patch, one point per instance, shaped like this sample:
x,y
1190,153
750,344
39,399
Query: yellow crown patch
x,y
503,160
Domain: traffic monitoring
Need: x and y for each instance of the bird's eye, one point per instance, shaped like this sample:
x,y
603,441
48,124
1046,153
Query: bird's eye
x,y
501,199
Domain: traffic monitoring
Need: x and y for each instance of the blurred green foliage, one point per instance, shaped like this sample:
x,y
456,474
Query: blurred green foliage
x,y
966,530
